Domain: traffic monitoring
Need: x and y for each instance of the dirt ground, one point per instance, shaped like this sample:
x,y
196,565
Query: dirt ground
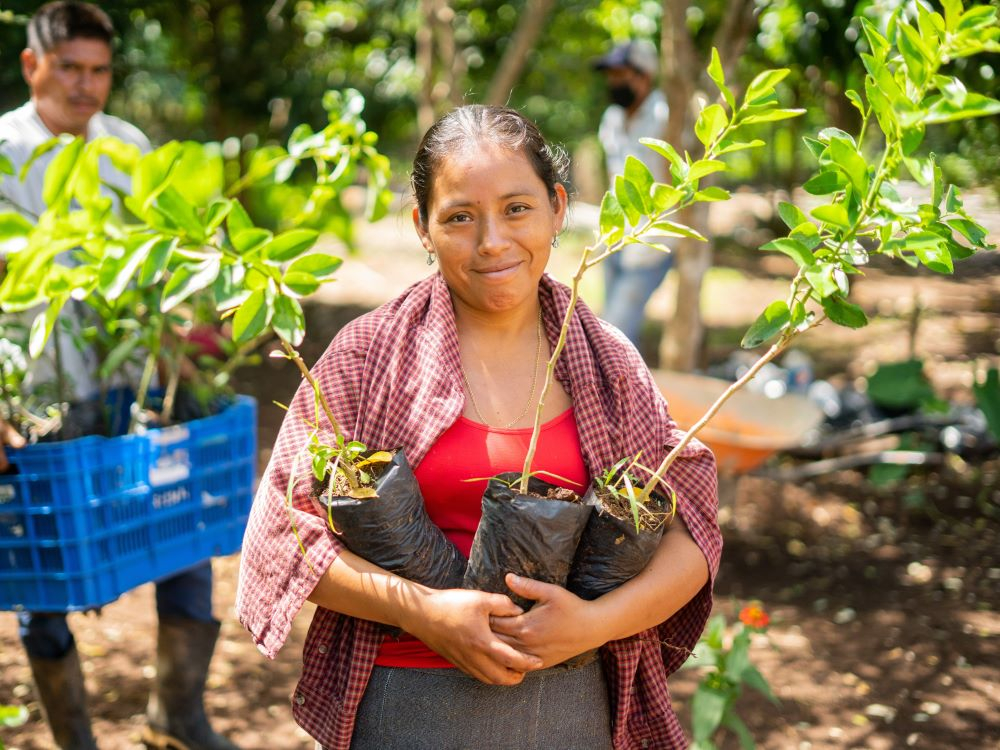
x,y
885,627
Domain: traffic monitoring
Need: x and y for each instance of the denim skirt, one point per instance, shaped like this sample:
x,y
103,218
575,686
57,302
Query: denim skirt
x,y
560,708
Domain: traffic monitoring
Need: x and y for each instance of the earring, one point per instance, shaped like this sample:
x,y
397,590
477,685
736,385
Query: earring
x,y
555,240
430,258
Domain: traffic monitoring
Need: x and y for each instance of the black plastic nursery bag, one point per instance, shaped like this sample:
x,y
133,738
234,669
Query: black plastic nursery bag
x,y
394,531
530,536
610,552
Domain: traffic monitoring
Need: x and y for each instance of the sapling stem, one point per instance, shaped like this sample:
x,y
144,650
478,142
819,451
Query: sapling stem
x,y
350,473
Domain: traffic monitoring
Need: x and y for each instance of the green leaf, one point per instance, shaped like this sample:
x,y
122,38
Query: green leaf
x,y
113,282
821,278
251,318
664,197
707,707
187,279
638,175
977,17
290,245
118,356
761,88
832,213
855,98
238,219
299,284
612,216
915,53
900,385
754,679
216,213
712,120
712,193
807,234
976,105
318,265
14,232
58,176
794,249
735,724
845,155
824,183
718,77
844,313
176,208
6,165
671,228
152,173
705,167
156,262
952,199
987,394
248,241
289,321
768,325
931,249
973,232
629,198
665,150
228,288
40,150
728,147
41,326
791,214
771,115
952,13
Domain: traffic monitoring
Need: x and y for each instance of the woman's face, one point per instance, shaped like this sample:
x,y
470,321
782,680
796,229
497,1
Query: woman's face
x,y
490,222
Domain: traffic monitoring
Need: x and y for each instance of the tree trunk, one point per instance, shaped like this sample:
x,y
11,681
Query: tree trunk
x,y
683,337
425,64
525,36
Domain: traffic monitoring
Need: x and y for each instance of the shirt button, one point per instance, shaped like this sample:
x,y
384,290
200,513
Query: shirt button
x,y
645,743
300,699
322,649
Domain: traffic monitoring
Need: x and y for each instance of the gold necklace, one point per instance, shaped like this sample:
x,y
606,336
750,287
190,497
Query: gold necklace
x,y
531,396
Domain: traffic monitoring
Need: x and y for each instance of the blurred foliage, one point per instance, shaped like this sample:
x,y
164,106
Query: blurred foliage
x,y
255,69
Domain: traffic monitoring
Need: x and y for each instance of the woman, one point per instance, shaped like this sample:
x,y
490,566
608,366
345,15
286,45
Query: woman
x,y
450,370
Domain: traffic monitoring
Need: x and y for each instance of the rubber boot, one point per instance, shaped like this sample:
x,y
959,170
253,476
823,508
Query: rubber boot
x,y
64,700
176,711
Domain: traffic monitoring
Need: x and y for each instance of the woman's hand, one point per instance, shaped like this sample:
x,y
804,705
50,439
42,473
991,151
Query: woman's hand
x,y
559,626
8,436
456,624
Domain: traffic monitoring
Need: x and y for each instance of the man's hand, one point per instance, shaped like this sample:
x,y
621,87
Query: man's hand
x,y
456,624
560,626
8,436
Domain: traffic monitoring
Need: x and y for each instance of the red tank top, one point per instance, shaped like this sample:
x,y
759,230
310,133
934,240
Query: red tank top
x,y
466,450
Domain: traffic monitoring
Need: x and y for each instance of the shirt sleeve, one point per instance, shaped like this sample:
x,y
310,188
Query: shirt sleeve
x,y
288,545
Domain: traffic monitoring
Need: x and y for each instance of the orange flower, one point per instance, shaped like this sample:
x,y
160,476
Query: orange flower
x,y
754,616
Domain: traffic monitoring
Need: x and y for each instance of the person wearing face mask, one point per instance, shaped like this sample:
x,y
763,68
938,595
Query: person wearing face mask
x,y
638,109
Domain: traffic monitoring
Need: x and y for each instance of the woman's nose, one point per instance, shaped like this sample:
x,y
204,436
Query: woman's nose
x,y
493,234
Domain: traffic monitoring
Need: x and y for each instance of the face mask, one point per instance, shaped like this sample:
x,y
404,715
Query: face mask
x,y
622,95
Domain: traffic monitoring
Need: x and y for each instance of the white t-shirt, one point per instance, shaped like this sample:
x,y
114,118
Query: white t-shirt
x,y
619,136
21,131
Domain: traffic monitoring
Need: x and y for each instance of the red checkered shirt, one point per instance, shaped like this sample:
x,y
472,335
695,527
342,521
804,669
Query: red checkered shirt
x,y
393,378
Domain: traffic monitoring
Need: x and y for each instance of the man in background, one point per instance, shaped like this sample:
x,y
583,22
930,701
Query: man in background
x,y
638,109
67,66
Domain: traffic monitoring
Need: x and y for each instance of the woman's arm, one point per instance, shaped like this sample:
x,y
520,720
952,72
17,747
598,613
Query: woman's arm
x,y
455,623
562,625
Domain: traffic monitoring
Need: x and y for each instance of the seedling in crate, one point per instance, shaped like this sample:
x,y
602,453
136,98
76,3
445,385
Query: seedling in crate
x,y
619,492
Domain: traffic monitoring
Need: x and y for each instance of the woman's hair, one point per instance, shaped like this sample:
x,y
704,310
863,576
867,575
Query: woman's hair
x,y
65,20
477,123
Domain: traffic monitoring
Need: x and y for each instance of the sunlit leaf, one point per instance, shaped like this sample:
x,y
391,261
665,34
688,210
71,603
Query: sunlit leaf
x,y
768,325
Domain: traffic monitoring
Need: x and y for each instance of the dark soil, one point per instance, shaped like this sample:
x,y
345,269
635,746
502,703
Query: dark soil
x,y
620,507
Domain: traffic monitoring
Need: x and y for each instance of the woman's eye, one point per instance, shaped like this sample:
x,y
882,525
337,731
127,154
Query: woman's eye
x,y
518,209
458,219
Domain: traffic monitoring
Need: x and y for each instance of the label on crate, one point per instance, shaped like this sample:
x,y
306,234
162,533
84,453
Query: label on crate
x,y
7,493
172,465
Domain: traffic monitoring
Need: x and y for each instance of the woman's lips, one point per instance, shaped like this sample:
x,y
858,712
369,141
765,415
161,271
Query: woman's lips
x,y
499,273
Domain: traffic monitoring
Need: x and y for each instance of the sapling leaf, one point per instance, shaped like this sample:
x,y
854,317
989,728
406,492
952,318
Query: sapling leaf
x,y
712,193
288,320
612,216
664,227
665,197
825,182
290,245
639,175
665,150
712,120
629,198
707,707
794,249
249,241
187,279
832,213
717,75
730,146
251,317
40,151
768,325
59,174
771,115
761,88
820,278
238,219
844,313
14,232
156,260
41,326
791,214
705,167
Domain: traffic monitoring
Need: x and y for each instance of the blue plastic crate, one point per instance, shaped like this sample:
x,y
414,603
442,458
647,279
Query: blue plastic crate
x,y
83,521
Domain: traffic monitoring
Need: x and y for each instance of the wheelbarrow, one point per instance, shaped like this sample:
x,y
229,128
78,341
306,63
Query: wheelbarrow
x,y
749,428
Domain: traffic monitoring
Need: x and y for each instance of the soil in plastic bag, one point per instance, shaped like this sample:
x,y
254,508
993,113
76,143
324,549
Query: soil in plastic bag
x,y
394,531
530,536
611,551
